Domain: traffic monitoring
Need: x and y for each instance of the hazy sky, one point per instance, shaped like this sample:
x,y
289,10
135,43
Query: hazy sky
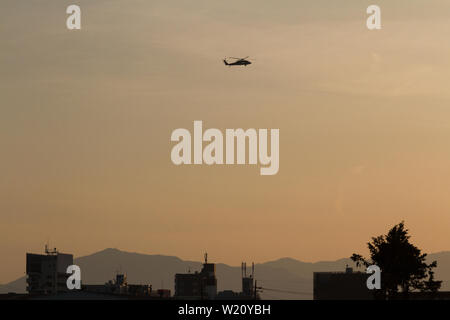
x,y
86,118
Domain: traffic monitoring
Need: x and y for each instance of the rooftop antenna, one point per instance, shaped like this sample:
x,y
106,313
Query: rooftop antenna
x,y
50,252
206,257
253,270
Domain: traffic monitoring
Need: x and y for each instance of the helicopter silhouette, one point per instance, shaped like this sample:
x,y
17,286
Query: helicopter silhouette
x,y
239,62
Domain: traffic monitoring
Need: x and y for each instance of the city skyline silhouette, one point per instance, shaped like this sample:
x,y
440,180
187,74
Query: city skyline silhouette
x,y
86,118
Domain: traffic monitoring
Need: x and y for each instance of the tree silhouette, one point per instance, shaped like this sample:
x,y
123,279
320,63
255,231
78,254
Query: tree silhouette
x,y
402,264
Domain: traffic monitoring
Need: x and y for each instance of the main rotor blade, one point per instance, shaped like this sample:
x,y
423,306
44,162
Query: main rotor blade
x,y
239,58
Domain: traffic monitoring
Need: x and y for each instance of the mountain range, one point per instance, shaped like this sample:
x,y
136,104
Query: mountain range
x,y
285,278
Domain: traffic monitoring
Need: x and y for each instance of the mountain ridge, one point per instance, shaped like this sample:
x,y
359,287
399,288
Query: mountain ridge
x,y
285,274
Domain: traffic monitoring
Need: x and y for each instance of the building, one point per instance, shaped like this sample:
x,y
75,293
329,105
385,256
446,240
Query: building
x,y
203,285
120,286
348,285
162,293
248,282
351,285
188,285
198,285
46,273
249,288
117,286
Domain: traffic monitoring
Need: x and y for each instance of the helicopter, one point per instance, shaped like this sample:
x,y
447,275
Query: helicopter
x,y
239,62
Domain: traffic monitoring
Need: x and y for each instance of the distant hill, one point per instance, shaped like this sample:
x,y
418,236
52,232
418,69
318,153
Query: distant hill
x,y
289,278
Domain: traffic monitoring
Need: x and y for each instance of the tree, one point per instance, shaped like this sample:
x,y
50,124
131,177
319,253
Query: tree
x,y
402,264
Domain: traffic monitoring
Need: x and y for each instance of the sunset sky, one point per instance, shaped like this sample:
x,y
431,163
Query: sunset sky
x,y
86,118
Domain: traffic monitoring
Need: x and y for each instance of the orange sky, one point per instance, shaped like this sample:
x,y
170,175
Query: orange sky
x,y
86,119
